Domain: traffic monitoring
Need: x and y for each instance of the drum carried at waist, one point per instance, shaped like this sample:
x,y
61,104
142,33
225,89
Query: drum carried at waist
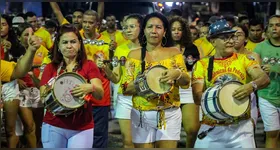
x,y
148,85
217,102
59,100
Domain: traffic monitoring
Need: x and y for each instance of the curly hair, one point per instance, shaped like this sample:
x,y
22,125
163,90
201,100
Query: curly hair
x,y
186,39
58,57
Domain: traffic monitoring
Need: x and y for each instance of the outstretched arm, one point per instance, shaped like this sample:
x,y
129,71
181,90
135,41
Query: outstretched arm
x,y
57,12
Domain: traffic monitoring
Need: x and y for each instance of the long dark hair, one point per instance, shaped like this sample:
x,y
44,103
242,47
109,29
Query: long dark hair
x,y
16,49
58,57
186,39
142,38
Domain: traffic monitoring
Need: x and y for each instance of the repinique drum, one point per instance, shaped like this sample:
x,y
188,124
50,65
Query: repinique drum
x,y
218,104
148,85
60,101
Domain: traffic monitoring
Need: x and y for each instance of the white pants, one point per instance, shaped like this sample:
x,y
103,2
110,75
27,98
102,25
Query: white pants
x,y
239,135
149,132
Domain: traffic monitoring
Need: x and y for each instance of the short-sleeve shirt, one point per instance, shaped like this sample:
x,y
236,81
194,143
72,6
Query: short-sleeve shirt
x,y
233,68
82,118
269,54
172,98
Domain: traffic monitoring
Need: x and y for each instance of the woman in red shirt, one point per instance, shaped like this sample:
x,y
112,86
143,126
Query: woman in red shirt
x,y
74,130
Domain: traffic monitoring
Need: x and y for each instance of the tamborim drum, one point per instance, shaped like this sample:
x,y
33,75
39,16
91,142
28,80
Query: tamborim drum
x,y
60,101
148,85
218,104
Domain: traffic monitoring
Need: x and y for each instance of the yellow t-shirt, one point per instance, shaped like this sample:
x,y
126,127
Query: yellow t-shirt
x,y
95,50
133,68
234,68
7,69
118,37
204,47
40,54
122,50
251,45
45,36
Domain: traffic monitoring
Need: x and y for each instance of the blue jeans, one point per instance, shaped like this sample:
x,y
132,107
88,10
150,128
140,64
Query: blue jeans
x,y
101,119
55,137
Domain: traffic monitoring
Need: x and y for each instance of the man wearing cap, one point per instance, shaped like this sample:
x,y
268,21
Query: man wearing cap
x,y
224,66
16,21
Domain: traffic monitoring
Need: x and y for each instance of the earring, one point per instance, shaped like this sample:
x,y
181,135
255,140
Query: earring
x,y
162,42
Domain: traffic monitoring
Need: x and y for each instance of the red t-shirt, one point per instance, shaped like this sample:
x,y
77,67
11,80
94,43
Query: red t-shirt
x,y
106,100
82,118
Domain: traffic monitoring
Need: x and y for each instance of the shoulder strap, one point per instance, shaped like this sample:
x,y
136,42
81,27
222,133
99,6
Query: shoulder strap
x,y
143,54
210,67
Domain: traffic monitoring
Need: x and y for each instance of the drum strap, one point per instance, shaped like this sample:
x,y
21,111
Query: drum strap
x,y
210,68
143,54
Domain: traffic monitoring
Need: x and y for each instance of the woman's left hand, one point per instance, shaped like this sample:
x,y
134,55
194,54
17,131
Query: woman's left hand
x,y
170,75
82,90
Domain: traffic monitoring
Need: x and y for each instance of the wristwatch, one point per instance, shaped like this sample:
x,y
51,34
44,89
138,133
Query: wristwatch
x,y
254,85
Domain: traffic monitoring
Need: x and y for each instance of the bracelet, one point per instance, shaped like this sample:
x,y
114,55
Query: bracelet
x,y
181,73
254,86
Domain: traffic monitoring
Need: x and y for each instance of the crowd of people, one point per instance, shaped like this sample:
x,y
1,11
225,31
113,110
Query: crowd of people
x,y
216,77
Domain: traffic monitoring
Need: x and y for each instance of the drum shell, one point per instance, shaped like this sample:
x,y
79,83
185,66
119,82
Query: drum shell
x,y
211,105
53,104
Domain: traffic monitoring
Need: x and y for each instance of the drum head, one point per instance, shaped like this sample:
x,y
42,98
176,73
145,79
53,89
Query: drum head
x,y
62,87
153,76
230,105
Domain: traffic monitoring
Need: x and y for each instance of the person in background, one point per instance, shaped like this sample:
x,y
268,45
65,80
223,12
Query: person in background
x,y
240,37
244,21
31,108
194,32
269,103
31,18
256,30
181,36
11,50
113,33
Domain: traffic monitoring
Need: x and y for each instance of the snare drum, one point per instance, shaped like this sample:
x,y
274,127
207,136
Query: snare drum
x,y
60,101
148,85
218,104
